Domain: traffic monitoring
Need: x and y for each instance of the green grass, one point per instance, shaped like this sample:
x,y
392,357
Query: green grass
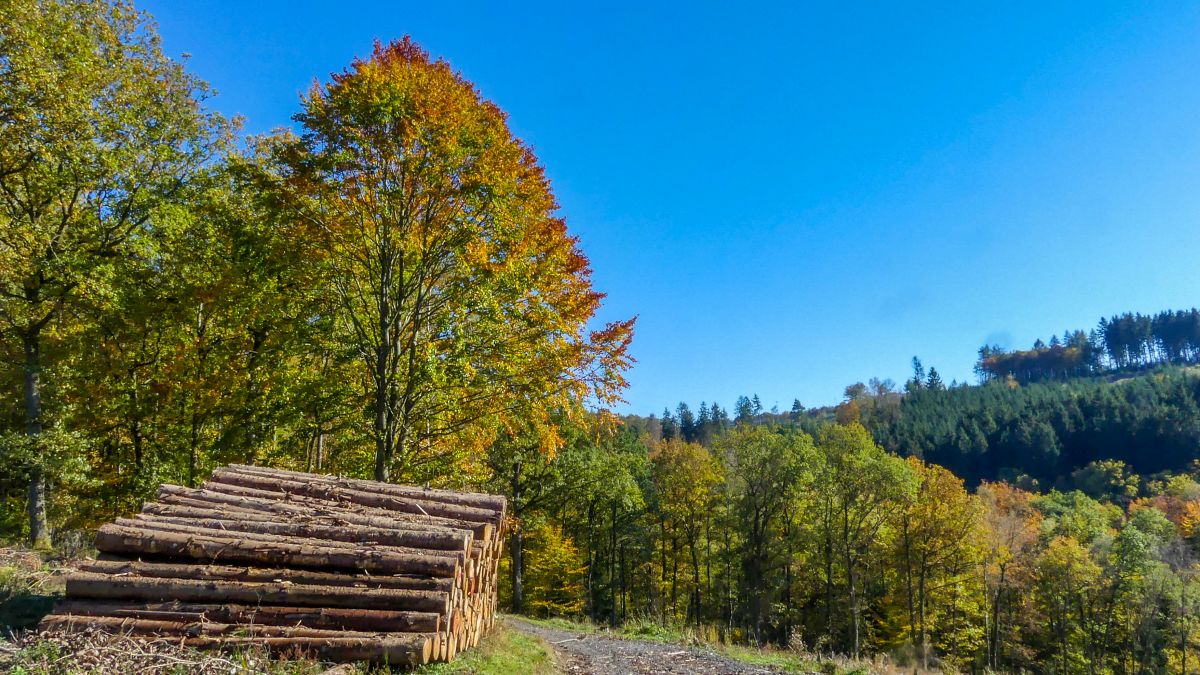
x,y
28,591
503,652
785,661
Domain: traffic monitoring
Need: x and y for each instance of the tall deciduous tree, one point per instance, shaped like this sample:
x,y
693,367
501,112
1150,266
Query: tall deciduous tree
x,y
765,470
466,299
937,544
686,478
98,130
863,482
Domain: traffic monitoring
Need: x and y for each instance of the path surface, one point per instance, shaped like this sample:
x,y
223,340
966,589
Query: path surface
x,y
582,653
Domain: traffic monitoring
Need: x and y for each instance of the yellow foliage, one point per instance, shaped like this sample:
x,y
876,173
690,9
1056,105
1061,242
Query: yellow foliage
x,y
554,572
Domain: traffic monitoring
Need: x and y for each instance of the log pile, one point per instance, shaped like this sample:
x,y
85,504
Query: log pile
x,y
339,568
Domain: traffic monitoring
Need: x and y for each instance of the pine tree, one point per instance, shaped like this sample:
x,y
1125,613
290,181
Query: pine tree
x,y
934,382
918,379
687,423
670,429
744,410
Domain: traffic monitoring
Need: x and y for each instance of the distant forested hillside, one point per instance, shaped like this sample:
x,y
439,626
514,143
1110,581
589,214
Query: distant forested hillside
x,y
1126,390
1041,433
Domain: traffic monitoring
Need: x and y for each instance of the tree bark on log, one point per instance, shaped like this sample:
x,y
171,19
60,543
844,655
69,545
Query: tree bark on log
x,y
130,541
105,587
285,504
333,566
323,527
325,618
135,626
340,495
266,575
234,530
475,499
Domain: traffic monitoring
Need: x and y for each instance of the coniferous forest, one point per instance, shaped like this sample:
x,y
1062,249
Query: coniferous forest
x,y
387,291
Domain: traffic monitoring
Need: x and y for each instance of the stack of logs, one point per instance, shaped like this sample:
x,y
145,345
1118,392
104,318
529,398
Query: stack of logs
x,y
338,568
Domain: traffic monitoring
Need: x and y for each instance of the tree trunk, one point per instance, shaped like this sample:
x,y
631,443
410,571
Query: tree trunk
x,y
994,642
922,599
827,554
384,375
850,582
694,605
624,589
612,566
193,448
591,568
382,433
39,527
906,537
517,545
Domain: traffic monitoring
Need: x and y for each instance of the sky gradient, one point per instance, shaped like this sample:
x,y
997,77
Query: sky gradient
x,y
797,196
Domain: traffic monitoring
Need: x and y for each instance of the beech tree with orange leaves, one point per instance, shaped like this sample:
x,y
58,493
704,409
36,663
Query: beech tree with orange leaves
x,y
458,285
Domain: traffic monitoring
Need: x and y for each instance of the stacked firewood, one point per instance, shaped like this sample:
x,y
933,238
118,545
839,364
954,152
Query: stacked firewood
x,y
338,568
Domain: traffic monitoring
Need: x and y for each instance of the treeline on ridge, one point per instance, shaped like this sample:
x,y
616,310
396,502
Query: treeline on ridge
x,y
1124,341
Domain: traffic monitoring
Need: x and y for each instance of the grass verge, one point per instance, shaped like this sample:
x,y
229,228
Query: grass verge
x,y
503,652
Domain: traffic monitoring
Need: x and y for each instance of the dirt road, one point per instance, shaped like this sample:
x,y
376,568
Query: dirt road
x,y
601,655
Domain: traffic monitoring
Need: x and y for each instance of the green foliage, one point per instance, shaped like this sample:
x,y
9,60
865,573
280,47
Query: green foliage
x,y
1042,434
504,651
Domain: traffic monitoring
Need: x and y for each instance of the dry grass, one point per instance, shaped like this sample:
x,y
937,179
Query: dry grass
x,y
104,654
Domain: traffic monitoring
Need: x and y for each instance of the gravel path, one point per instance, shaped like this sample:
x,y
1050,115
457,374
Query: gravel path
x,y
601,655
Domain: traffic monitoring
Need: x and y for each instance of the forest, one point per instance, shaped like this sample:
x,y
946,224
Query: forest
x,y
388,291
828,542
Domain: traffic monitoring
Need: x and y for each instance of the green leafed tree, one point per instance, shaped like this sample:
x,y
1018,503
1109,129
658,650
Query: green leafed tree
x,y
99,131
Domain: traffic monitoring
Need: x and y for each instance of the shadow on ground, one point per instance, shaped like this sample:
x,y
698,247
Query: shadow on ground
x,y
29,587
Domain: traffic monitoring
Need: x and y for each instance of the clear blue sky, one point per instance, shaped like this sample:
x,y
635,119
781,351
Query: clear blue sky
x,y
796,196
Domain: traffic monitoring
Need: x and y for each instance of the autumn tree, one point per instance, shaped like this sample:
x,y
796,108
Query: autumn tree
x,y
937,545
863,482
556,572
98,132
1011,526
460,289
686,478
1067,581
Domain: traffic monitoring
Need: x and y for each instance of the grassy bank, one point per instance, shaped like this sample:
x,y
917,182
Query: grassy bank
x,y
503,652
